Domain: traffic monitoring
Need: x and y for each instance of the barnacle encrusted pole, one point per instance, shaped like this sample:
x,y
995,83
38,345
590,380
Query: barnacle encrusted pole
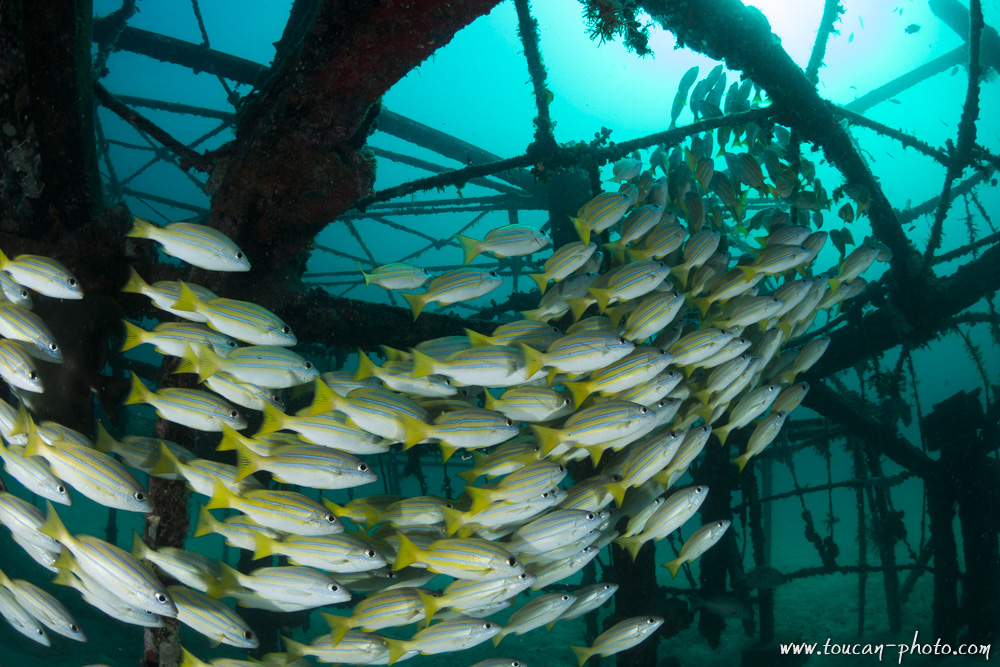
x,y
309,123
832,10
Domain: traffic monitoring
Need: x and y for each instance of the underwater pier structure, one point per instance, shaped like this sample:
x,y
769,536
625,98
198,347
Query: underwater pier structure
x,y
309,118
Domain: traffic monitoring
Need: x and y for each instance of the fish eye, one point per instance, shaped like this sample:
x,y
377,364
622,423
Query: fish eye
x,y
560,469
24,294
512,561
330,518
565,401
370,553
565,597
248,635
32,375
309,365
607,587
362,467
487,626
275,398
41,633
60,489
449,506
161,598
622,341
286,329
591,516
71,282
53,347
699,489
232,345
616,478
720,524
239,255
73,627
140,496
522,576
333,588
643,410
509,421
234,414
494,274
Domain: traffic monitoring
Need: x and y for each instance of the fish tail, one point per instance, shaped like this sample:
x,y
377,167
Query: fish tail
x,y
189,660
631,545
742,460
368,278
616,489
596,452
222,497
423,365
722,433
636,254
339,625
582,653
140,228
366,367
417,302
453,519
263,546
294,649
579,390
497,638
674,566
325,399
135,284
229,439
208,362
397,648
336,509
133,336
206,523
617,251
470,248
477,339
447,451
392,354
701,303
189,362
834,284
408,553
274,420
481,498
748,272
430,604
578,307
490,403
138,393
616,314
548,438
535,314
582,229
414,431
53,526
139,548
471,475
542,279
247,460
187,300
534,360
603,297
227,581
166,463
3,260
35,445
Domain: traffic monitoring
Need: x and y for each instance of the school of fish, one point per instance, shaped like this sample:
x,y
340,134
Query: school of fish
x,y
678,327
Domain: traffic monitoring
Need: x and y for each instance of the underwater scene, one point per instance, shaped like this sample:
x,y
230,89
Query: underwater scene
x,y
499,333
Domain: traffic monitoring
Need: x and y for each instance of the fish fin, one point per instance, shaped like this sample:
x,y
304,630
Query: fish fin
x,y
742,460
722,433
630,544
423,365
3,260
189,660
748,272
477,339
534,360
453,519
636,254
325,400
617,251
187,300
582,229
447,451
104,443
469,476
339,625
414,431
263,546
135,284
603,297
490,403
470,248
549,626
481,498
227,581
138,392
430,604
247,461
366,367
596,452
189,362
22,421
542,279
408,553
535,315
274,420
701,303
141,228
139,549
579,390
53,526
392,354
417,303
367,277
616,489
35,445
497,638
294,649
229,439
397,648
209,363
167,463
582,653
133,336
578,307
616,314
548,438
834,284
673,566
336,509
206,523
221,496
